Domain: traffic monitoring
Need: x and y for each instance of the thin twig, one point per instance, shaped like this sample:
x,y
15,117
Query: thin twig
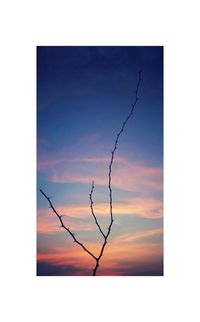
x,y
92,210
115,146
67,229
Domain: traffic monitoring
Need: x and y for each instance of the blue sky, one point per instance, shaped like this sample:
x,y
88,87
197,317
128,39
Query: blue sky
x,y
83,96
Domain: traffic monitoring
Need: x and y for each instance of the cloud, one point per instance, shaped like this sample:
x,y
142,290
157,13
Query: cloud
x,y
47,269
126,175
64,261
132,259
73,257
141,234
44,163
136,259
48,222
49,163
133,268
79,217
124,255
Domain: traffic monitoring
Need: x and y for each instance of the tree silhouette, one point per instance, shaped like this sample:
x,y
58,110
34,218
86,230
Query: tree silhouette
x,y
105,235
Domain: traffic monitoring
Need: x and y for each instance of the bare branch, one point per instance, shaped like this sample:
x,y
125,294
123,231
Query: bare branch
x,y
110,173
105,236
67,229
115,147
92,210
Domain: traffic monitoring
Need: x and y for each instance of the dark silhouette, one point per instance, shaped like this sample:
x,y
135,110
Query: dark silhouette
x,y
105,235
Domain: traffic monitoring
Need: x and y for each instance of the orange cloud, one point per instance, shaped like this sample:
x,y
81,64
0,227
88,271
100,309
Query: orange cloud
x,y
115,261
121,254
48,222
119,259
73,255
144,207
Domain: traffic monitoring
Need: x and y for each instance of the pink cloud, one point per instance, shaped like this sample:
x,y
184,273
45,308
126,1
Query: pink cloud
x,y
73,255
144,207
126,175
45,163
133,258
115,261
48,222
131,237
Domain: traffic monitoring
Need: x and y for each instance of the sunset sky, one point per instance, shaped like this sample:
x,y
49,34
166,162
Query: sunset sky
x,y
83,96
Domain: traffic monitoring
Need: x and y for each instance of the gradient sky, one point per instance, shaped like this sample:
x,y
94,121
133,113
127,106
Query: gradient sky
x,y
83,96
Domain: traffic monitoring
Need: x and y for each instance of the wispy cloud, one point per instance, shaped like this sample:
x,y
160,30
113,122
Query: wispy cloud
x,y
126,175
48,222
138,259
141,234
143,207
131,259
51,162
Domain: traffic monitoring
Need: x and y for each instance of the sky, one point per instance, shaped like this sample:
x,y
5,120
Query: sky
x,y
84,94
